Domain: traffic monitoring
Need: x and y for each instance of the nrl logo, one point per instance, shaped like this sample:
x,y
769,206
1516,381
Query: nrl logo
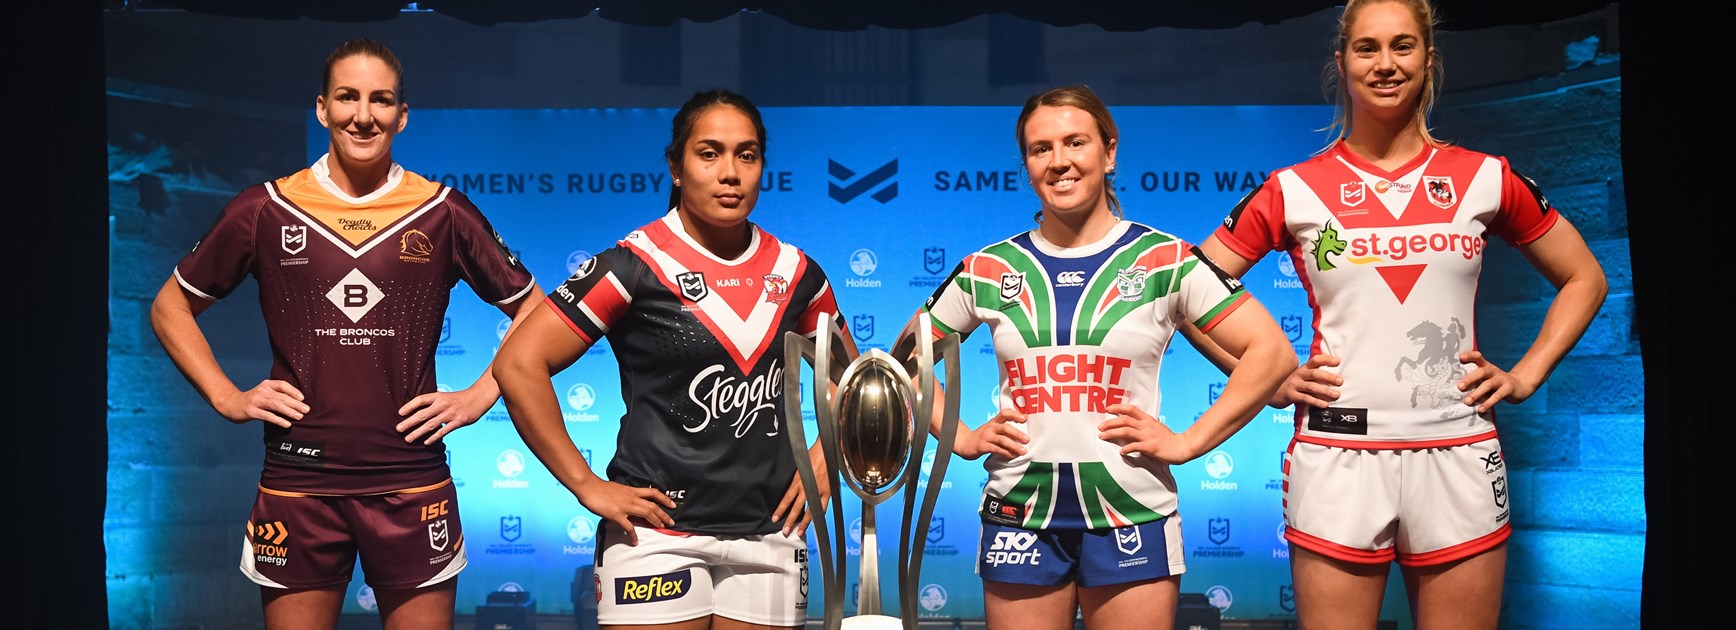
x,y
692,285
1012,284
294,239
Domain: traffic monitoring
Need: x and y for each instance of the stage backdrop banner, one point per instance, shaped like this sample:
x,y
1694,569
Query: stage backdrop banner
x,y
887,200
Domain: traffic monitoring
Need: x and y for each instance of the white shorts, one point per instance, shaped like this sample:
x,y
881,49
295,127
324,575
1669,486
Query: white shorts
x,y
1422,506
672,576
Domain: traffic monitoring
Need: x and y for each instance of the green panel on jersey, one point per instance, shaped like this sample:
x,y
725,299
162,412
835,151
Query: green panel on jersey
x,y
1094,482
1038,481
1037,326
1091,327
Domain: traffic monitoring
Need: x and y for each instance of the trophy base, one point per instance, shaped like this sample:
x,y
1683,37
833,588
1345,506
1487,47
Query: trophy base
x,y
872,622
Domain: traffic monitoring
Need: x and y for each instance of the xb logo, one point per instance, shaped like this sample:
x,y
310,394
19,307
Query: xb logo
x,y
853,189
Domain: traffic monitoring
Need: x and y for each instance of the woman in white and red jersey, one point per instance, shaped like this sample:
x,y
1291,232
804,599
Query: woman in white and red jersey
x,y
1395,455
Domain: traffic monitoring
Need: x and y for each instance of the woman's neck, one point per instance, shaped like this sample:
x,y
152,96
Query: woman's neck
x,y
358,180
1074,230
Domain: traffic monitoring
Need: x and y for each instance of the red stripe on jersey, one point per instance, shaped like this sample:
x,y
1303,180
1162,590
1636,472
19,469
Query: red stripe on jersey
x,y
1458,552
606,306
1395,445
556,308
1331,549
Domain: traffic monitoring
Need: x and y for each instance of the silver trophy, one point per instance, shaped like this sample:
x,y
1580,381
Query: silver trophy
x,y
873,429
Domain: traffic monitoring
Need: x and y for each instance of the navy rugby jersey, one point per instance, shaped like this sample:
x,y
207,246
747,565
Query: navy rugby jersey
x,y
700,342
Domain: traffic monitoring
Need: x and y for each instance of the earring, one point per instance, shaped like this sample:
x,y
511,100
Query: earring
x,y
677,181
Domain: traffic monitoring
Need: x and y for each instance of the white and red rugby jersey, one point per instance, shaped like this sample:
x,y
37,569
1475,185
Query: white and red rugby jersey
x,y
1390,261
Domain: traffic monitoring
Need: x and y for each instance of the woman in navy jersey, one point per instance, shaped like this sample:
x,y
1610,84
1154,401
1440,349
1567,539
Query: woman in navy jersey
x,y
355,258
703,519
1395,455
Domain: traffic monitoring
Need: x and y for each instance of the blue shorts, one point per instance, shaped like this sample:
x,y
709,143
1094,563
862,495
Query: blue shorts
x,y
1089,557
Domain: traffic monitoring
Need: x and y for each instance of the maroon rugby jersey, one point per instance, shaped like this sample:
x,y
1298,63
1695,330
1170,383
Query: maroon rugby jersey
x,y
354,292
700,342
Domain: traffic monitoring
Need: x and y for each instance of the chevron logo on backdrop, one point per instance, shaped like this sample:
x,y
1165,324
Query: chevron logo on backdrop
x,y
850,190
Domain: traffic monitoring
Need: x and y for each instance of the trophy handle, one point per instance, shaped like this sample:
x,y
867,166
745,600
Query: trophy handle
x,y
797,350
911,548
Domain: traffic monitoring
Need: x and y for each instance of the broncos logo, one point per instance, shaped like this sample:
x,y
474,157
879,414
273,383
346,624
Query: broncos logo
x,y
1436,369
1328,245
415,243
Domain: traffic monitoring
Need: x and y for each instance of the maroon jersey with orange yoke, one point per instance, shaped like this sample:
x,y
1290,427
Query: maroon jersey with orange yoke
x,y
1390,260
354,293
700,343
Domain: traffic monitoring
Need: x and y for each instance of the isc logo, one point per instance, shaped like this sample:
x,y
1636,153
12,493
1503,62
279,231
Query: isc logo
x,y
434,511
1013,548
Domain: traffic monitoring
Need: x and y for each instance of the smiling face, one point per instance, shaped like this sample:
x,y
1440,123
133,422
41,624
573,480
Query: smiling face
x,y
1068,160
1385,62
719,169
362,110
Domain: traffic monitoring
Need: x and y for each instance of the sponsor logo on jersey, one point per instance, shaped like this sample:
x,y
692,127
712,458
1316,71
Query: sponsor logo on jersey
x,y
853,186
294,239
1492,462
652,588
355,295
1067,382
305,454
268,542
740,401
1130,283
1341,420
1352,193
692,285
998,510
1012,284
1070,279
356,225
1440,191
1382,186
1327,246
1013,547
584,268
414,246
1499,485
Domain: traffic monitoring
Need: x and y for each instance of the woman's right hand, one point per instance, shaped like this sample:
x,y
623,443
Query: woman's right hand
x,y
995,437
621,504
273,401
1310,385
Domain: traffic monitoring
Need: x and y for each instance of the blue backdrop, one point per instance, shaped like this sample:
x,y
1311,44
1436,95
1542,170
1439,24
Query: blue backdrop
x,y
887,200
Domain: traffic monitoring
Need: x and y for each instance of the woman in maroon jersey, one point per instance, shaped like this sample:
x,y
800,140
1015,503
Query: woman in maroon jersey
x,y
355,258
1396,455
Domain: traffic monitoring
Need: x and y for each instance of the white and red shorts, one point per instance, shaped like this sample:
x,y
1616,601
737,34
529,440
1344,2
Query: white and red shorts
x,y
673,576
1422,506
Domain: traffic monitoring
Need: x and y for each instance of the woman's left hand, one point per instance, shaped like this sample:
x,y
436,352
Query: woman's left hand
x,y
1138,432
792,511
1488,384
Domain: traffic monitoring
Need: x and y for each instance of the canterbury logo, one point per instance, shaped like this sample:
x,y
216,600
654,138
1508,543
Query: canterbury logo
x,y
1070,278
853,189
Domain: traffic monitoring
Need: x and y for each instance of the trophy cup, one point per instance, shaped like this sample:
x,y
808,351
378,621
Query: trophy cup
x,y
872,431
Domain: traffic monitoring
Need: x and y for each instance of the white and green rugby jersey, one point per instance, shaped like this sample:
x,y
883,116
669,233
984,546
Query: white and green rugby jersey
x,y
1076,330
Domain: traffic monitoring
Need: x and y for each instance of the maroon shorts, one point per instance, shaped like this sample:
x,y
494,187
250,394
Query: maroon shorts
x,y
407,539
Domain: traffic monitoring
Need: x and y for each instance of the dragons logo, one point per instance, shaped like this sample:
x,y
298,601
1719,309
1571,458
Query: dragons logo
x,y
1436,369
1328,245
